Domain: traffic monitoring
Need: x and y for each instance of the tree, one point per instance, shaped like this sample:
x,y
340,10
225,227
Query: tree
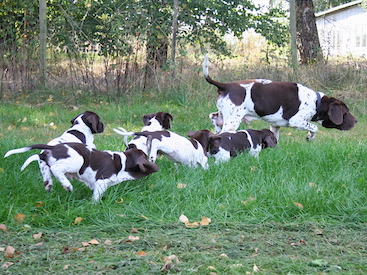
x,y
307,35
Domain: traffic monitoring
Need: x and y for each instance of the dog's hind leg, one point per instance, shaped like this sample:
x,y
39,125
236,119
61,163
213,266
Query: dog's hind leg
x,y
46,175
59,173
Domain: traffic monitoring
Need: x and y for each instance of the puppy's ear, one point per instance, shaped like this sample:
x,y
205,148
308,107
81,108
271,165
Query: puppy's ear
x,y
166,121
95,124
270,141
216,140
335,113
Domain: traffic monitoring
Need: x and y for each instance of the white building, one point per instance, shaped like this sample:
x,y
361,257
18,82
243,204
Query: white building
x,y
343,30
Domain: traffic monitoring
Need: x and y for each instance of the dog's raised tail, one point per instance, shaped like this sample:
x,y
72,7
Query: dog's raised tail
x,y
29,160
28,148
221,86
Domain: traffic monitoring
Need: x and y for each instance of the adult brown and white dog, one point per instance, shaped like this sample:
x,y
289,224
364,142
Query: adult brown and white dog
x,y
225,145
177,148
281,104
97,169
152,122
82,130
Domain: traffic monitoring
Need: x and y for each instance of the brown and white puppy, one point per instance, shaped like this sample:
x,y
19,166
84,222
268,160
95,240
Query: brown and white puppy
x,y
225,145
281,104
97,169
177,148
82,130
152,122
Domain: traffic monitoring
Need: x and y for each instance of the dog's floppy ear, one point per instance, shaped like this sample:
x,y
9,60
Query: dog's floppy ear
x,y
94,123
336,112
166,120
270,141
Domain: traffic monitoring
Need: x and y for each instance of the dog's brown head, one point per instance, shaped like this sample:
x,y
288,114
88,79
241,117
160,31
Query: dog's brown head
x,y
90,119
163,118
335,114
138,165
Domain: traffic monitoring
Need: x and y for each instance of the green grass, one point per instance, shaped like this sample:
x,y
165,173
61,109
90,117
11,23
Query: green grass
x,y
254,204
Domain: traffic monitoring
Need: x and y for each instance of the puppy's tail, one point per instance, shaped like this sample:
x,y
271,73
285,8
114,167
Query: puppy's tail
x,y
221,86
124,133
29,160
206,68
26,149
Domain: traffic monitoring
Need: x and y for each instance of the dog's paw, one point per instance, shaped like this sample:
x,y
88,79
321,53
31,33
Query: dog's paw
x,y
68,188
310,136
48,186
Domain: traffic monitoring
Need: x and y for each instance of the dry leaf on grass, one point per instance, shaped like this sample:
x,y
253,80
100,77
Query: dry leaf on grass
x,y
37,236
9,252
107,242
3,227
204,221
77,220
141,254
298,205
19,218
7,264
181,185
169,262
39,204
94,241
132,238
255,268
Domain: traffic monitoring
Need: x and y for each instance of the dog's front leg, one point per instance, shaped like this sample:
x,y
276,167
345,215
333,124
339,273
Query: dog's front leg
x,y
59,173
99,188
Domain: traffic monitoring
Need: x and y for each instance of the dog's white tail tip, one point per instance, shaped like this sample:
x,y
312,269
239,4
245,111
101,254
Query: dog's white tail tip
x,y
29,160
206,65
17,151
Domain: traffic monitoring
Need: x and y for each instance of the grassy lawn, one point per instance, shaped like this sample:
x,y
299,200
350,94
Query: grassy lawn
x,y
299,209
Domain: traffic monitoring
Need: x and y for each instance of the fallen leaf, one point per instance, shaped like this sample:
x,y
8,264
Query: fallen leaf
x,y
181,185
94,241
37,236
255,268
2,249
81,249
205,221
183,219
107,242
77,220
169,262
3,227
191,225
120,201
19,218
211,268
85,244
134,230
39,204
9,252
65,250
7,264
223,255
298,204
65,267
133,238
141,254
38,244
144,217
299,243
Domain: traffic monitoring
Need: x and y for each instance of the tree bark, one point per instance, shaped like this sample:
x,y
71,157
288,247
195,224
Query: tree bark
x,y
307,36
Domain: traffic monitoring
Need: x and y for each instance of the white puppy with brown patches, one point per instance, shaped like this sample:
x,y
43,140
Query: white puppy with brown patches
x,y
97,169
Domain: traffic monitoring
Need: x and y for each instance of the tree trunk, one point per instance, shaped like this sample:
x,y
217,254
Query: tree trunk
x,y
307,36
156,57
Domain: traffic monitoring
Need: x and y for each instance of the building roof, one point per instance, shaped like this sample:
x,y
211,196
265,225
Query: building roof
x,y
338,8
